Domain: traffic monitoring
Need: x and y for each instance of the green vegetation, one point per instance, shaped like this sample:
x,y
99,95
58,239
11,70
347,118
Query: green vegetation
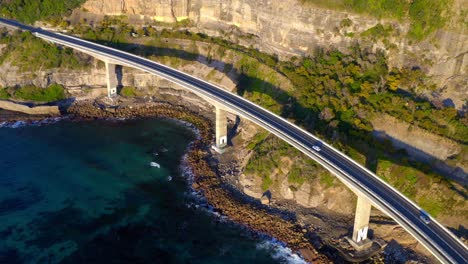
x,y
296,176
379,31
273,155
4,93
327,179
435,205
425,16
258,138
129,91
52,93
32,54
30,11
378,8
266,182
421,185
384,166
356,156
337,91
346,23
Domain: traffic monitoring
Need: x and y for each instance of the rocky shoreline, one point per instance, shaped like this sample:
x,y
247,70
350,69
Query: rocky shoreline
x,y
212,176
227,201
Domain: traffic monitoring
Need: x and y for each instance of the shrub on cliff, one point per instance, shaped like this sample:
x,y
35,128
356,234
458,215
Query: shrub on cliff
x,y
4,93
52,93
129,91
33,10
425,16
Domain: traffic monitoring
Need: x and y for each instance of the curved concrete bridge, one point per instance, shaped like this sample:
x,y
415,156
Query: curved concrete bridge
x,y
369,188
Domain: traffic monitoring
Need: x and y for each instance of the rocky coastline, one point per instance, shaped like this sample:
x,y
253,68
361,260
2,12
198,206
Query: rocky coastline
x,y
206,179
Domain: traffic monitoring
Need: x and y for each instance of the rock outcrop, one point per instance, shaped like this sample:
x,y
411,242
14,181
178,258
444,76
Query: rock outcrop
x,y
37,110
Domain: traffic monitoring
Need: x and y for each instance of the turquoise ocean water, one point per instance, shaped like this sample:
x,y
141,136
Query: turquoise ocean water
x,y
84,192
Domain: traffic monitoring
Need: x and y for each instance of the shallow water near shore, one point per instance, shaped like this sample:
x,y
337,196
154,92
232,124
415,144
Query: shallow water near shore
x,y
84,192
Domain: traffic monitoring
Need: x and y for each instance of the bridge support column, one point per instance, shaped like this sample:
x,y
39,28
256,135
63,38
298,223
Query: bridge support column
x,y
361,224
221,129
112,83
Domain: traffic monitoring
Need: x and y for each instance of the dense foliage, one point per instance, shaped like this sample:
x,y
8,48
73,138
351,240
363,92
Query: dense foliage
x,y
30,11
33,54
272,154
4,93
425,16
344,91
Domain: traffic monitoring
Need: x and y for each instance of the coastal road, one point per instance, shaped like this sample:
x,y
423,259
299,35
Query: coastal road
x,y
435,237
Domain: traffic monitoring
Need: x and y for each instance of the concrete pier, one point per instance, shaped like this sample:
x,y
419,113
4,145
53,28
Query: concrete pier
x,y
111,76
361,224
221,129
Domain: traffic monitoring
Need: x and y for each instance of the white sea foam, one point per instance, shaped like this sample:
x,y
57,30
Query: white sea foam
x,y
18,124
281,252
154,164
188,125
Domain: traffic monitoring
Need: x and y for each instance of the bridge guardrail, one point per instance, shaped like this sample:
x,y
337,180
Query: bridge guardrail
x,y
257,107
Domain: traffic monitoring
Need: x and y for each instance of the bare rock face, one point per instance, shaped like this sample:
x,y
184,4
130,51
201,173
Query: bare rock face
x,y
302,196
159,10
285,190
251,186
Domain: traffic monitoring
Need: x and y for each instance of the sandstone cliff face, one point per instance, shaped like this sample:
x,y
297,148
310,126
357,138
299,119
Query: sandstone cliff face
x,y
290,28
158,10
91,83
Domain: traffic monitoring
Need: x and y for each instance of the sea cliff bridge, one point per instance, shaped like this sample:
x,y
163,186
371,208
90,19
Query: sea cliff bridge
x,y
369,188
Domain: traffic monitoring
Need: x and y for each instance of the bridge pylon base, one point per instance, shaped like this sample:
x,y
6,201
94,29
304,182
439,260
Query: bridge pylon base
x,y
220,149
361,245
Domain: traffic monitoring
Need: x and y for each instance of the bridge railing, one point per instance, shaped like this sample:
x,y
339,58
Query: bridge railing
x,y
373,195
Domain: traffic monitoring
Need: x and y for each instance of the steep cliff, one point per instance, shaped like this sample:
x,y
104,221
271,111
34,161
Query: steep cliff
x,y
290,27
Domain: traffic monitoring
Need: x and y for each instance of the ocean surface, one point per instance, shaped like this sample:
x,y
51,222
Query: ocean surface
x,y
85,192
